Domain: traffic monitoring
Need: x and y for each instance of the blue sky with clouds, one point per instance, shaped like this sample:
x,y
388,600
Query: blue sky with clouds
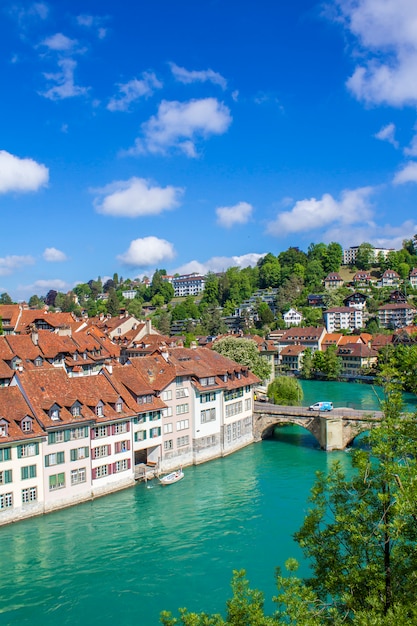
x,y
193,136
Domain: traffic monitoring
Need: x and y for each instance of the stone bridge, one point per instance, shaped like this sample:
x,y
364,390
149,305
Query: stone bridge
x,y
334,430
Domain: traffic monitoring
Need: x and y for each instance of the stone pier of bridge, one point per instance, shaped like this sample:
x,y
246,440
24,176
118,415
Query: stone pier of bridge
x,y
334,430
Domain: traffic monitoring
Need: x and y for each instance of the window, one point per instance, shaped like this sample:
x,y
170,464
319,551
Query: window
x,y
155,432
182,425
101,451
181,408
208,415
29,471
167,412
56,458
38,361
3,429
79,433
206,382
234,409
29,494
248,404
144,399
78,476
26,425
75,410
140,435
178,381
6,500
100,431
169,444
57,436
119,406
99,410
57,481
182,441
233,394
167,428
101,471
121,446
121,466
182,392
54,413
120,428
207,397
27,449
166,395
5,454
5,477
79,453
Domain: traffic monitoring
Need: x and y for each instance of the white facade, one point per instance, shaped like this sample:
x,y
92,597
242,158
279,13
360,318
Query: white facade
x,y
343,318
188,285
292,318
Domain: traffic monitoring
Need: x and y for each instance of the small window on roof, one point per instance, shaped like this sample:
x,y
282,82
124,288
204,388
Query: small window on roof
x,y
54,413
26,424
4,426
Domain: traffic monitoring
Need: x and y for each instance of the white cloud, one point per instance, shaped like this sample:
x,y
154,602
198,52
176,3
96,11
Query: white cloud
x,y
147,252
92,21
219,263
240,213
387,33
12,263
313,214
21,175
42,287
59,42
53,255
179,125
407,175
135,198
194,76
387,133
381,236
133,90
412,149
64,86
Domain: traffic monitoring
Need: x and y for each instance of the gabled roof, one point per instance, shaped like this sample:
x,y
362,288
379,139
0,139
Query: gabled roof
x,y
29,317
13,408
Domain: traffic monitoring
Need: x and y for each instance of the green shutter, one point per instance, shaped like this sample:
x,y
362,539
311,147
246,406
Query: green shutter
x,y
60,457
73,455
61,478
47,460
87,452
32,471
36,448
25,473
7,476
85,431
51,438
52,481
19,452
67,435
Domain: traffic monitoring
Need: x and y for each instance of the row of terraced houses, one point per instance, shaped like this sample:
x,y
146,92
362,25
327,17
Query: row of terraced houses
x,y
79,418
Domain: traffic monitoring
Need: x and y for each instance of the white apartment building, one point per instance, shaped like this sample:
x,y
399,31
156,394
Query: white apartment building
x,y
343,318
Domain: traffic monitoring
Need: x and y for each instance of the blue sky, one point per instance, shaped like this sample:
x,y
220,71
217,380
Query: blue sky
x,y
193,136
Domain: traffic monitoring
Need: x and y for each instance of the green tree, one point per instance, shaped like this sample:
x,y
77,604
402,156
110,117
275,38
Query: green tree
x,y
307,364
113,304
245,352
365,256
211,289
285,390
332,260
35,302
5,299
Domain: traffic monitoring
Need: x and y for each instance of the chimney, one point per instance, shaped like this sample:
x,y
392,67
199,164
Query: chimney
x,y
148,326
35,336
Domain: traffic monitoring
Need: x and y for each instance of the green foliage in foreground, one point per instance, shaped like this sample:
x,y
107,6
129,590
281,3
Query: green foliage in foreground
x,y
360,536
245,352
285,390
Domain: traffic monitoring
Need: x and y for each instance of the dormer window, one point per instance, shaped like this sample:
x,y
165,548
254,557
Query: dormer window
x,y
75,356
38,361
4,428
76,410
26,425
119,406
99,409
85,356
54,413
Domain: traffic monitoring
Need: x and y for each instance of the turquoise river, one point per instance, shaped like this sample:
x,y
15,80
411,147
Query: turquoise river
x,y
123,558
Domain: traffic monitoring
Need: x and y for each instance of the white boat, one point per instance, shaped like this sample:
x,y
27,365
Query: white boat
x,y
171,478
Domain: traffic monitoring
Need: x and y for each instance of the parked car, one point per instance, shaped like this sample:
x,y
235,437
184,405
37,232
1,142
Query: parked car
x,y
321,406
